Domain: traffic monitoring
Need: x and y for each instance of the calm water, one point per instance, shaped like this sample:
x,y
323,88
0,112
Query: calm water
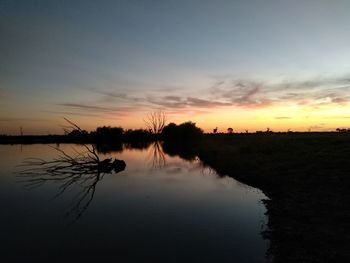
x,y
160,208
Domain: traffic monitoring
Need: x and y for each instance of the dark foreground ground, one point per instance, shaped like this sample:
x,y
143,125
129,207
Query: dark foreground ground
x,y
307,179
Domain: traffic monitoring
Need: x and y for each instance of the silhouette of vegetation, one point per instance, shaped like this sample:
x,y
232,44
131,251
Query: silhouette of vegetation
x,y
306,178
229,130
268,131
108,134
342,130
185,132
138,135
155,121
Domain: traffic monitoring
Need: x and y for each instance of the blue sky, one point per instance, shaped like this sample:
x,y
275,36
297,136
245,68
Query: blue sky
x,y
111,62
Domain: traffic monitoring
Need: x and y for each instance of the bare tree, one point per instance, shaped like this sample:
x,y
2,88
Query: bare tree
x,y
155,121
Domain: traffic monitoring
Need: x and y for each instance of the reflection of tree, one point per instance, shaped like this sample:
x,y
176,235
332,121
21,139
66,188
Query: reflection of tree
x,y
116,147
84,169
157,156
186,151
139,145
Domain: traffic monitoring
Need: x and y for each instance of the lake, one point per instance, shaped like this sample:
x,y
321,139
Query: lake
x,y
160,208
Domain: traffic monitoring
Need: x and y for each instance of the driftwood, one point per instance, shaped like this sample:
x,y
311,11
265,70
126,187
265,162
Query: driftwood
x,y
84,169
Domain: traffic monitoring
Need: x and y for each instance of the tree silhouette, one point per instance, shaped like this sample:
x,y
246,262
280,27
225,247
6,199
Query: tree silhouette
x,y
155,121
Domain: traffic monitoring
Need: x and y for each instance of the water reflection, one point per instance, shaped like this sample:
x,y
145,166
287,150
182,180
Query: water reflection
x,y
84,169
156,156
118,147
179,212
184,151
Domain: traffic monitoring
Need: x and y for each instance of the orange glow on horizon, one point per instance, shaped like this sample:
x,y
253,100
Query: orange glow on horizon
x,y
292,117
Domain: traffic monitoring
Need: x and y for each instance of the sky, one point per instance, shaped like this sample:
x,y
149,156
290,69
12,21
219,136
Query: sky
x,y
249,65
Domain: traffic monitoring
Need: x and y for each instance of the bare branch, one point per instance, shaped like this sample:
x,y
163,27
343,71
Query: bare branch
x,y
83,168
155,121
73,125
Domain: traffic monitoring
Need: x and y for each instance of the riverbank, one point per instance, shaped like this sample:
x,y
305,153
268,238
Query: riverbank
x,y
307,179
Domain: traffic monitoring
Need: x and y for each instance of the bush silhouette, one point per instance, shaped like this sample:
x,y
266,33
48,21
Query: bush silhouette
x,y
108,133
187,131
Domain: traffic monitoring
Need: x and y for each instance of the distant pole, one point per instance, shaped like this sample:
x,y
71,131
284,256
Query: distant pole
x,y
21,130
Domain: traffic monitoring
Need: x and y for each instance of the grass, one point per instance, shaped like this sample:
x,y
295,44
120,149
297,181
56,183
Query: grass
x,y
306,177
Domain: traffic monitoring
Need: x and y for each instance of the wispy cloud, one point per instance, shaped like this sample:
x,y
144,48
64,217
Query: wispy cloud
x,y
282,118
252,94
97,108
186,102
225,92
67,113
22,120
317,127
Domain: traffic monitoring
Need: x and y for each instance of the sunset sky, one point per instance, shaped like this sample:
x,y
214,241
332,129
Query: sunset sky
x,y
247,64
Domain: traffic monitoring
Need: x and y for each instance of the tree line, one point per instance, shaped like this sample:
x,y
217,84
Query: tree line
x,y
186,131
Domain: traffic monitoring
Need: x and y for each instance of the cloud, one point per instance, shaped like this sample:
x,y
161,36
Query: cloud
x,y
96,108
109,95
247,94
283,118
196,102
340,100
172,98
85,107
255,94
186,102
337,117
64,113
225,92
21,120
319,126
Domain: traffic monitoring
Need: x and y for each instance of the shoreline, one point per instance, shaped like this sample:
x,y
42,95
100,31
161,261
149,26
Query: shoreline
x,y
307,181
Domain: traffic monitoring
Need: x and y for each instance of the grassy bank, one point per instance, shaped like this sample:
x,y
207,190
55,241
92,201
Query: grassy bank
x,y
306,177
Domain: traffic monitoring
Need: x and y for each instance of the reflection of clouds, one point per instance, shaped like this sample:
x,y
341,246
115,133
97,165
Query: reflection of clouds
x,y
175,170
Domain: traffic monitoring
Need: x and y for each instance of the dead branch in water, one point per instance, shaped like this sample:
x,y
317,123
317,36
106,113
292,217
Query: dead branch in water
x,y
83,168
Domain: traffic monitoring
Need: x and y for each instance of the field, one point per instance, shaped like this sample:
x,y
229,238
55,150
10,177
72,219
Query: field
x,y
306,177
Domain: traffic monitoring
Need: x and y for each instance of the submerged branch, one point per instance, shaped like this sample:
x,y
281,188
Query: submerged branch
x,y
84,169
